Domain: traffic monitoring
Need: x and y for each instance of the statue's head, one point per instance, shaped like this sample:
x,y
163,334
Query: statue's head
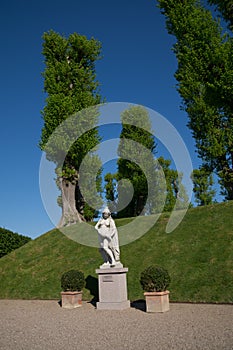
x,y
106,213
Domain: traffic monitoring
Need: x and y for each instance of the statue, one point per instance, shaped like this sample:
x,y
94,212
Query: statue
x,y
108,240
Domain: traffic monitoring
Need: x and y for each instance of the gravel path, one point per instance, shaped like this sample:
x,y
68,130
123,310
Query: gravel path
x,y
44,325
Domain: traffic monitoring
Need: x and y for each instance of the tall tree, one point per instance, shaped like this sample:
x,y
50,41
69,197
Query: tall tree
x,y
205,83
71,86
136,127
202,186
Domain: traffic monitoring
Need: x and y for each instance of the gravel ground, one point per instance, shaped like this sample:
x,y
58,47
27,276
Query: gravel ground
x,y
44,325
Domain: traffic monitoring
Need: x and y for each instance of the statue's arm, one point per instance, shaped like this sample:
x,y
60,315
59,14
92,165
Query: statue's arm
x,y
97,226
113,228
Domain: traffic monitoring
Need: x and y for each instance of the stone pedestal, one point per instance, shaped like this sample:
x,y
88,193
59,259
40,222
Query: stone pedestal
x,y
112,289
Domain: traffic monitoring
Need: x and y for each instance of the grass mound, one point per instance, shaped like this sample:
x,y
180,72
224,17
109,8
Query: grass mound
x,y
198,255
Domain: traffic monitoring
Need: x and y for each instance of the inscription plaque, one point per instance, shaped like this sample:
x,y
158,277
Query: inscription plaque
x,y
108,278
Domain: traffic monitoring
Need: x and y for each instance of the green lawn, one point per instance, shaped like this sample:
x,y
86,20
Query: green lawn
x,y
198,256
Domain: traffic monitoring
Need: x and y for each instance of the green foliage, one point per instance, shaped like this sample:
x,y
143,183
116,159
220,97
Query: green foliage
x,y
10,241
155,279
72,280
136,162
226,181
90,183
175,190
225,7
156,187
203,182
71,87
171,181
111,191
68,174
205,82
69,80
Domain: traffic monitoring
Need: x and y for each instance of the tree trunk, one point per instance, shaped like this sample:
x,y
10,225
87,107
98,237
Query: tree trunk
x,y
70,214
79,201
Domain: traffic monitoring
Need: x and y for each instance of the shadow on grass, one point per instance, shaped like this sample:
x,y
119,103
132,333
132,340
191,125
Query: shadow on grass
x,y
92,286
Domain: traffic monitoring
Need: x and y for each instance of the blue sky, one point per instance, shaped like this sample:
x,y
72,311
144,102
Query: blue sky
x,y
137,67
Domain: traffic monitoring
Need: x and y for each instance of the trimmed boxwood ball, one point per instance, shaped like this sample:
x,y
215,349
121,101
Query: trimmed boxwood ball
x,y
155,279
72,280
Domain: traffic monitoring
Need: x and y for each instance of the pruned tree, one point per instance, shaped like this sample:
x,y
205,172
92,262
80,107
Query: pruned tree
x,y
133,159
205,83
71,86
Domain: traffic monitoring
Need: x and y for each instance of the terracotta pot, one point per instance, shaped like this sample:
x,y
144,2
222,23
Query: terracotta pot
x,y
71,300
157,301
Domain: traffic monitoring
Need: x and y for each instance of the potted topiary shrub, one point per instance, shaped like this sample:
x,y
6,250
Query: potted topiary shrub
x,y
72,283
154,281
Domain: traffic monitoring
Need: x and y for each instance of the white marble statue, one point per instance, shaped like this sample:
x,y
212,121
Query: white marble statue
x,y
108,240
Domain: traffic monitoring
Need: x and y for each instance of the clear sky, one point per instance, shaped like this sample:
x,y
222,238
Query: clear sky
x,y
137,67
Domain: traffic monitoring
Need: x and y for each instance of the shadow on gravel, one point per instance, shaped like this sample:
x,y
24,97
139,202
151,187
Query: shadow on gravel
x,y
139,305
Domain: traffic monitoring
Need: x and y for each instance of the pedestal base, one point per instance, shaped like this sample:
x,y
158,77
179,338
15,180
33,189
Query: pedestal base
x,y
113,306
112,289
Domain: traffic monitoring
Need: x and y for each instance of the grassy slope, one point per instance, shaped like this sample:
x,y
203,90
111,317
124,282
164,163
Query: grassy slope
x,y
198,256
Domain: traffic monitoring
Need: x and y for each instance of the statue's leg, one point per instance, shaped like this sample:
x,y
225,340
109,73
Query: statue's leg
x,y
104,254
102,250
115,247
109,252
116,253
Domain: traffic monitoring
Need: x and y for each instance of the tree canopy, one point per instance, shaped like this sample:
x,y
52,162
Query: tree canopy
x,y
133,159
71,87
205,82
225,7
